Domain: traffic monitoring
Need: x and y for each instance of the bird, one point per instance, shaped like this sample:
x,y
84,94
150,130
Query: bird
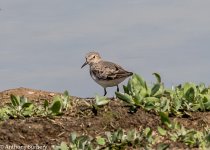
x,y
105,73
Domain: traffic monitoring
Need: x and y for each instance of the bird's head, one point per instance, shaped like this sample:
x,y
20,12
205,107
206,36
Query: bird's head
x,y
91,58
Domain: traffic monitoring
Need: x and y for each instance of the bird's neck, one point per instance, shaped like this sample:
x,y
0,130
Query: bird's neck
x,y
95,62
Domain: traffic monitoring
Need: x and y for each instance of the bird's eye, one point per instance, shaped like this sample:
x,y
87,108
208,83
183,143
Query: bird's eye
x,y
94,56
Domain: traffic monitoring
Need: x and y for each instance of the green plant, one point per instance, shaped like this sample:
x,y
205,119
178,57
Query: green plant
x,y
138,94
53,109
177,101
76,143
20,106
62,146
144,139
178,132
67,101
60,103
99,102
4,113
118,140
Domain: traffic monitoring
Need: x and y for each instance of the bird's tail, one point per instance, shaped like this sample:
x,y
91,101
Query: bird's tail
x,y
130,73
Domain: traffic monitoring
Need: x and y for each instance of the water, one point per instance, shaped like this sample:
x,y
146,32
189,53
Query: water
x,y
43,43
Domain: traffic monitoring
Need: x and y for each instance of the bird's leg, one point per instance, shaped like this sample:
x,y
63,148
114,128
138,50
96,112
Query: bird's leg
x,y
117,88
105,92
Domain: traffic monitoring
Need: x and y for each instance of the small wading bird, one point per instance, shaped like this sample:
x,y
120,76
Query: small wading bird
x,y
106,74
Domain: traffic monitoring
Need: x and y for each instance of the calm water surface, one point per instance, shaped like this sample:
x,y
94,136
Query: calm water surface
x,y
43,43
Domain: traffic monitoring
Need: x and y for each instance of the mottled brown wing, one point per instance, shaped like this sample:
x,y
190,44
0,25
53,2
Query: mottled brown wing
x,y
109,71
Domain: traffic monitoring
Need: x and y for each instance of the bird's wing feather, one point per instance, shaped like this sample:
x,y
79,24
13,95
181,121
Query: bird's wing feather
x,y
108,70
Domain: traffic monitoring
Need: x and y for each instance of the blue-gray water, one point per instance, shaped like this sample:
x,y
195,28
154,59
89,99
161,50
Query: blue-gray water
x,y
43,43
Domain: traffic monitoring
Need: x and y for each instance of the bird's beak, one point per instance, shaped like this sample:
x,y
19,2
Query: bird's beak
x,y
84,64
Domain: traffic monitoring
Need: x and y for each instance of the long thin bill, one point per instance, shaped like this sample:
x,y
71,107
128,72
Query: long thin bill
x,y
84,64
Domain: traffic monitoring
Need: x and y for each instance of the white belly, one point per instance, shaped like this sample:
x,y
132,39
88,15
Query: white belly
x,y
108,83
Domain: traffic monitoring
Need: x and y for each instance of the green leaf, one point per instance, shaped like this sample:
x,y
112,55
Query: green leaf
x,y
155,89
126,90
161,131
109,137
157,77
202,106
82,141
202,88
164,104
139,79
101,141
190,94
137,99
129,87
165,119
64,146
4,112
189,91
46,104
148,131
187,86
66,93
25,105
162,146
28,111
101,100
143,92
125,97
23,100
114,137
176,103
120,134
208,138
73,137
15,100
152,100
145,86
207,105
56,107
131,135
150,103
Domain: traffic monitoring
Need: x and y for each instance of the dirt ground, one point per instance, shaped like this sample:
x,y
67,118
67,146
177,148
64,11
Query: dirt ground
x,y
52,131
